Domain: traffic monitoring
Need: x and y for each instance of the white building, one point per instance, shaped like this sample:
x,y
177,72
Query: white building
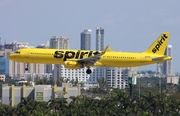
x,y
80,74
19,45
172,79
59,42
99,38
165,68
2,77
17,69
118,77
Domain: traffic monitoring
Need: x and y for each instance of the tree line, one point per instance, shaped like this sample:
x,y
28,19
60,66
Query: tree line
x,y
117,104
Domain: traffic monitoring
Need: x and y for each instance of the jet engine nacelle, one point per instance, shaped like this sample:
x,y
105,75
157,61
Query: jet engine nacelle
x,y
71,65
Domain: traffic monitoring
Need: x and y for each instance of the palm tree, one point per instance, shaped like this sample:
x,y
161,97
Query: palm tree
x,y
51,81
7,110
29,79
60,80
37,80
76,81
57,104
45,80
28,106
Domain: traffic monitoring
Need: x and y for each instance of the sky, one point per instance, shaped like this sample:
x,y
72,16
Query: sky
x,y
129,25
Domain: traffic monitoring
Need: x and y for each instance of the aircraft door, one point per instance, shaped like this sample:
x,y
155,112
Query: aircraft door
x,y
142,59
27,54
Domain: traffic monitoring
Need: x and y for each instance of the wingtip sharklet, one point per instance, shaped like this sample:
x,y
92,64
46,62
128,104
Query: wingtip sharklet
x,y
107,48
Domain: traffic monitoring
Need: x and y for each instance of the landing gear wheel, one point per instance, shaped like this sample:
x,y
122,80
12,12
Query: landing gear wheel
x,y
26,69
88,71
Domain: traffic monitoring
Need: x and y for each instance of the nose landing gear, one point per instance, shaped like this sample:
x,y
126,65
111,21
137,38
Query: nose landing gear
x,y
26,69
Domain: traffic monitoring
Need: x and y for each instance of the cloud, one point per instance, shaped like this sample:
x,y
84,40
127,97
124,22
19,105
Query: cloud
x,y
111,19
160,12
143,19
171,22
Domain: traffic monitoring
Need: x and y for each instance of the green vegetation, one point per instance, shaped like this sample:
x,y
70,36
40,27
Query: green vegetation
x,y
118,103
156,99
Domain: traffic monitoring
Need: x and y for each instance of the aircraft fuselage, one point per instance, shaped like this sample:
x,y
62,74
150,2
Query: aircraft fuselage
x,y
59,56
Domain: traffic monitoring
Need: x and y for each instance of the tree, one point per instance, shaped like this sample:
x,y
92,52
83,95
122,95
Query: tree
x,y
45,80
60,80
29,80
57,104
76,82
28,106
37,80
51,81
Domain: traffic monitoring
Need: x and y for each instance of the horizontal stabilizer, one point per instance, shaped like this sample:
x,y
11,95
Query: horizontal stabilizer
x,y
161,58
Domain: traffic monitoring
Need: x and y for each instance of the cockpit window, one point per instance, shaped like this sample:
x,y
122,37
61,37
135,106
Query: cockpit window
x,y
17,52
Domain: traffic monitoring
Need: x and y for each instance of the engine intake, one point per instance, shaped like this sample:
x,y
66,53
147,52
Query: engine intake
x,y
71,65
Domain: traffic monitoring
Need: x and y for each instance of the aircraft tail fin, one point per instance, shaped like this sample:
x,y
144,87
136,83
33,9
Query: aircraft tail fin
x,y
159,46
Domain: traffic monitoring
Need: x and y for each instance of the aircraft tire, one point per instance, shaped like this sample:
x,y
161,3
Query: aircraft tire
x,y
88,71
26,69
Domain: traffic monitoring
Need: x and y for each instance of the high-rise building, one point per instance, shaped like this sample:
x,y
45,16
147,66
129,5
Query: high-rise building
x,y
1,45
86,39
99,71
4,61
17,69
46,45
99,38
15,45
59,42
167,65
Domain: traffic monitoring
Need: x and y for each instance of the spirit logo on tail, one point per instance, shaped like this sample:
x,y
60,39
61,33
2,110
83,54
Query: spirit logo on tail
x,y
158,45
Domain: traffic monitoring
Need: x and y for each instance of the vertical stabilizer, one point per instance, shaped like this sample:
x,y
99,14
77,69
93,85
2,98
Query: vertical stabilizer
x,y
159,46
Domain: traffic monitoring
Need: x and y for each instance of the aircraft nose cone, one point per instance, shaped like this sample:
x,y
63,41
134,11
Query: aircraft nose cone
x,y
11,57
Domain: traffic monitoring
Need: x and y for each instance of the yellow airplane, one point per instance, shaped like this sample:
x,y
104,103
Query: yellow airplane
x,y
75,59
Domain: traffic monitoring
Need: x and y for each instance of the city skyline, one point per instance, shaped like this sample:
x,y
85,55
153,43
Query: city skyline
x,y
130,26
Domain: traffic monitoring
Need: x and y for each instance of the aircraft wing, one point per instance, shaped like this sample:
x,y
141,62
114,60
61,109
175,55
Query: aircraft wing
x,y
92,59
159,58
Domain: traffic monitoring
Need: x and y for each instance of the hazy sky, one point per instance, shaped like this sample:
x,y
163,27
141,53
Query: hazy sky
x,y
129,25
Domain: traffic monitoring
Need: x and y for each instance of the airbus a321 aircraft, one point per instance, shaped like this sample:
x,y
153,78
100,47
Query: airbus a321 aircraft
x,y
75,59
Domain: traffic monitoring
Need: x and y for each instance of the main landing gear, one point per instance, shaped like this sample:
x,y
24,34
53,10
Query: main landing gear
x,y
88,71
26,69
